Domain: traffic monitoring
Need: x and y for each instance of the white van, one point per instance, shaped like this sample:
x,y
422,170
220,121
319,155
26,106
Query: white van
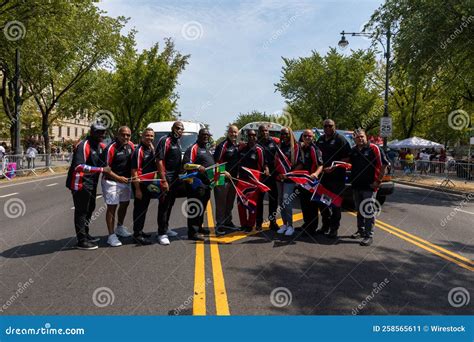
x,y
273,128
191,130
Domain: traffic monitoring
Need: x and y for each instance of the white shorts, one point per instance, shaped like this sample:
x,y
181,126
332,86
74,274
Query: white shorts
x,y
114,192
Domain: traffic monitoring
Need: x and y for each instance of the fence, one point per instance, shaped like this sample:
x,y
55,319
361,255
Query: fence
x,y
449,170
23,163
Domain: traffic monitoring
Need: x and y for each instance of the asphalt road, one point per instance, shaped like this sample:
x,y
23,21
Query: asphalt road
x,y
420,263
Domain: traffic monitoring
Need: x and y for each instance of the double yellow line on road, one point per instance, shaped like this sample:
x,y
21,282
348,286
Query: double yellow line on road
x,y
200,281
424,244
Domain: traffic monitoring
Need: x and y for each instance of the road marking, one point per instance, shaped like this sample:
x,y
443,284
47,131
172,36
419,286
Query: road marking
x,y
199,302
52,184
220,294
464,211
426,245
12,194
32,181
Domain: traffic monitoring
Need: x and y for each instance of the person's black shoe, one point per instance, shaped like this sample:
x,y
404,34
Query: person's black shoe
x,y
196,237
274,226
86,245
91,238
332,234
248,229
219,232
142,240
322,231
258,228
145,235
356,235
204,231
230,225
366,241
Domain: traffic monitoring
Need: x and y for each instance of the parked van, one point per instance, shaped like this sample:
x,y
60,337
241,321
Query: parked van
x,y
191,130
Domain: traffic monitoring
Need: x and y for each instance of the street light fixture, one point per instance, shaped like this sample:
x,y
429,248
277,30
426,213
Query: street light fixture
x,y
343,44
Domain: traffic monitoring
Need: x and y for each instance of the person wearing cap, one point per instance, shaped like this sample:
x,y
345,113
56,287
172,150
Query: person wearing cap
x,y
143,168
269,145
198,197
226,152
333,147
168,162
82,179
116,186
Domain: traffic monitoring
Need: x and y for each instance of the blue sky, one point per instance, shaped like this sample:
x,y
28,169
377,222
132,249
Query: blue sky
x,y
236,46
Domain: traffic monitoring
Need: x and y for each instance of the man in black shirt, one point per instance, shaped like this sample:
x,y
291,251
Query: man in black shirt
x,y
143,168
115,186
226,152
334,147
82,179
168,162
198,153
269,145
369,164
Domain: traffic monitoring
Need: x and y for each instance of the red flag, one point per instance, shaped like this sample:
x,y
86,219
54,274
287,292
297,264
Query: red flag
x,y
341,164
255,176
247,194
282,164
325,196
300,177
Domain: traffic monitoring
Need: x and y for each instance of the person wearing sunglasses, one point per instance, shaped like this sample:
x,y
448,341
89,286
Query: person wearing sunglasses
x,y
334,147
292,158
313,163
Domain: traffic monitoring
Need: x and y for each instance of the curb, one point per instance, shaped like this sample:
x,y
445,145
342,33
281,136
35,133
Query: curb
x,y
438,189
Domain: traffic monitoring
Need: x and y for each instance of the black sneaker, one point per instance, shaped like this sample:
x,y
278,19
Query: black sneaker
x,y
145,235
248,229
196,237
204,231
332,234
219,231
258,228
322,231
367,241
274,226
229,225
356,235
91,238
86,245
142,240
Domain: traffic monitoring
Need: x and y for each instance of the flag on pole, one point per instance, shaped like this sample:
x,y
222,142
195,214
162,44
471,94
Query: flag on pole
x,y
247,194
282,164
216,175
325,196
344,165
300,177
192,179
254,178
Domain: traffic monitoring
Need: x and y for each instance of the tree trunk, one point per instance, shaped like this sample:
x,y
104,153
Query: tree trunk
x,y
45,134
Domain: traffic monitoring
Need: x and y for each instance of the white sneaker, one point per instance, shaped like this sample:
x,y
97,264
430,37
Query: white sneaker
x,y
282,229
113,241
122,231
171,233
289,231
163,240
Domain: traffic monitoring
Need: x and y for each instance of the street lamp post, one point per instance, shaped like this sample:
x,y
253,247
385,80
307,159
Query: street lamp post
x,y
344,42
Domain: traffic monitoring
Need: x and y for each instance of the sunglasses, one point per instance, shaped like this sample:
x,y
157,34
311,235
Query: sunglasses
x,y
326,126
252,135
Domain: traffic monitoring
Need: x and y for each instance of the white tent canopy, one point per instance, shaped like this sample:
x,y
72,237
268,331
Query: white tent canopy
x,y
415,142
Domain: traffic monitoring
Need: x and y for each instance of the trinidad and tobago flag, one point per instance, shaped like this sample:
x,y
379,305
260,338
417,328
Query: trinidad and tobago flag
x,y
254,178
341,164
247,194
282,164
325,196
300,177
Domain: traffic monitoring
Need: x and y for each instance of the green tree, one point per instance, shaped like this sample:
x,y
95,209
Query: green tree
x,y
253,116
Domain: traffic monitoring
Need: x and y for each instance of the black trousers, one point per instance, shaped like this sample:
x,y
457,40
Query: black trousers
x,y
140,208
272,201
310,210
196,207
331,215
84,206
165,205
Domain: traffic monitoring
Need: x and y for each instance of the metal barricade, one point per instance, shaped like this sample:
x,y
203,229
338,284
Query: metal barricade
x,y
24,162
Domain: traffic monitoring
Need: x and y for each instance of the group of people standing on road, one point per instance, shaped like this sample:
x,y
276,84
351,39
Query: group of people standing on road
x,y
271,163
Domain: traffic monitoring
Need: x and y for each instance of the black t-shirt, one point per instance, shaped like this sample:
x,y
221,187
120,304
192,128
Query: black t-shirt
x,y
228,152
252,158
143,159
269,147
312,158
168,149
366,165
335,149
119,158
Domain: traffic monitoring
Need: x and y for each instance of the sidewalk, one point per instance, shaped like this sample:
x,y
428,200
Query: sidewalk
x,y
40,173
437,183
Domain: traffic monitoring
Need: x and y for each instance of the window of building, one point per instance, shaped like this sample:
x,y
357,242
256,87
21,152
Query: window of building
x,y
69,131
75,131
60,131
